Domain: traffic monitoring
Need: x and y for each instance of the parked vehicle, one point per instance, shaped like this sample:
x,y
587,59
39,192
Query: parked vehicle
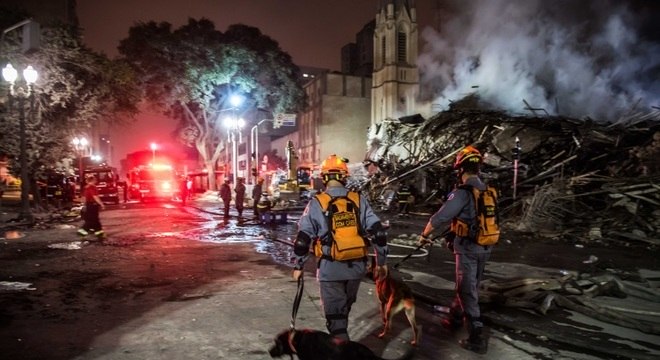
x,y
55,186
106,184
153,182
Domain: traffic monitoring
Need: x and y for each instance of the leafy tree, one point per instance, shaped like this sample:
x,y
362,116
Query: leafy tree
x,y
75,89
191,73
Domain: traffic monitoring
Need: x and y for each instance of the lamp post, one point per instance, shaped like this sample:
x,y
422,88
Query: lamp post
x,y
80,143
254,142
234,125
153,147
30,77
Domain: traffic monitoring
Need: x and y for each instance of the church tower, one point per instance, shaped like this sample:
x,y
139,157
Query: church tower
x,y
395,84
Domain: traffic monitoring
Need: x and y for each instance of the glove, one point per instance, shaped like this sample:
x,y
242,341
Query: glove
x,y
424,241
450,245
450,241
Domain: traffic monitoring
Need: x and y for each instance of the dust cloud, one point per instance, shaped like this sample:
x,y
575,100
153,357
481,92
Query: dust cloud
x,y
571,58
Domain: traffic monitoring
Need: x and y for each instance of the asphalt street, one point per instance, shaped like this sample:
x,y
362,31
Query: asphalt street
x,y
256,304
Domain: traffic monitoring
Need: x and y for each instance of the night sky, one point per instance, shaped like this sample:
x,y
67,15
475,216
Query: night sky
x,y
311,31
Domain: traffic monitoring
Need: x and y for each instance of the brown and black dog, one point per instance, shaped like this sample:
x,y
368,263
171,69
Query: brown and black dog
x,y
393,296
317,345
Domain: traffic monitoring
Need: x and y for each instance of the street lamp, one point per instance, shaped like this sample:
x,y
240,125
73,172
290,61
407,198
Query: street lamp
x,y
80,144
234,125
30,77
153,146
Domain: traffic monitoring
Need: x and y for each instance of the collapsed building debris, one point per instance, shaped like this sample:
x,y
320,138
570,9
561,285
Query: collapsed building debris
x,y
581,294
574,179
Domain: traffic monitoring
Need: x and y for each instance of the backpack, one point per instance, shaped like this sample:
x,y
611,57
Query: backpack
x,y
345,235
485,228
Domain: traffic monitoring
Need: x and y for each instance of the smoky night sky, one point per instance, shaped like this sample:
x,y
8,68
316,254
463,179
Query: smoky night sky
x,y
596,58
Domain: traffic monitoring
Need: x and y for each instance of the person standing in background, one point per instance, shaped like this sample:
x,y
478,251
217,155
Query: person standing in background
x,y
257,190
240,196
225,195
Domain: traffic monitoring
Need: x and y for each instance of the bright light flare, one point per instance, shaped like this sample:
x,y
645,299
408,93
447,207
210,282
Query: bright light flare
x,y
161,166
233,123
9,73
235,100
30,75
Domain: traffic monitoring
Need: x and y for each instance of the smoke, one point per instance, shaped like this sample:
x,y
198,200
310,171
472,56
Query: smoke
x,y
571,58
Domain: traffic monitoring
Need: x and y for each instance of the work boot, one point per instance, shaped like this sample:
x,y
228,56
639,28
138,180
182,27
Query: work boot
x,y
476,341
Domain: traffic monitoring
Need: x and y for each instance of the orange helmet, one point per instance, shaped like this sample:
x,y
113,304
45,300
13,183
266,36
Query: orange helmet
x,y
468,155
334,168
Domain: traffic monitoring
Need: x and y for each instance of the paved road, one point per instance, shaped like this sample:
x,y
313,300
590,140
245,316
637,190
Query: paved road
x,y
236,315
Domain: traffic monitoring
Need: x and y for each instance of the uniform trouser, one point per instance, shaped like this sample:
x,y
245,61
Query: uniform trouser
x,y
255,206
239,206
92,221
226,205
469,271
337,297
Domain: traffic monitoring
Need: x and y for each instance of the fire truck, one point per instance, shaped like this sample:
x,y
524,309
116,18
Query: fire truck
x,y
153,182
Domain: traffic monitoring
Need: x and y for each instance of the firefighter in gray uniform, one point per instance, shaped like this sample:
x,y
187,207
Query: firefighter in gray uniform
x,y
335,217
470,257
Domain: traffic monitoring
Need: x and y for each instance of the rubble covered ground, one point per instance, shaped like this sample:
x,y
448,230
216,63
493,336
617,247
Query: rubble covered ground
x,y
576,181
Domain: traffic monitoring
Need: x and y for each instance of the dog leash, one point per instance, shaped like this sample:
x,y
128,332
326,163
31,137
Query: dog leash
x,y
296,300
433,239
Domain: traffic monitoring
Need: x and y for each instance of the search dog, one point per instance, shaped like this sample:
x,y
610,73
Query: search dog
x,y
318,345
393,296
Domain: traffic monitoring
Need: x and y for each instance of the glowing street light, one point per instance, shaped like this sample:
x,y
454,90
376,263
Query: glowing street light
x,y
30,77
236,100
234,125
80,144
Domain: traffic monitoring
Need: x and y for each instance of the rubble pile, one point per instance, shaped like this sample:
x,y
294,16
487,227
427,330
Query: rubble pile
x,y
592,295
575,179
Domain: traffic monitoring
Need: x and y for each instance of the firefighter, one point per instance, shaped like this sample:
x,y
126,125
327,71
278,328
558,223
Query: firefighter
x,y
93,203
183,189
339,275
240,196
225,195
256,196
470,257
